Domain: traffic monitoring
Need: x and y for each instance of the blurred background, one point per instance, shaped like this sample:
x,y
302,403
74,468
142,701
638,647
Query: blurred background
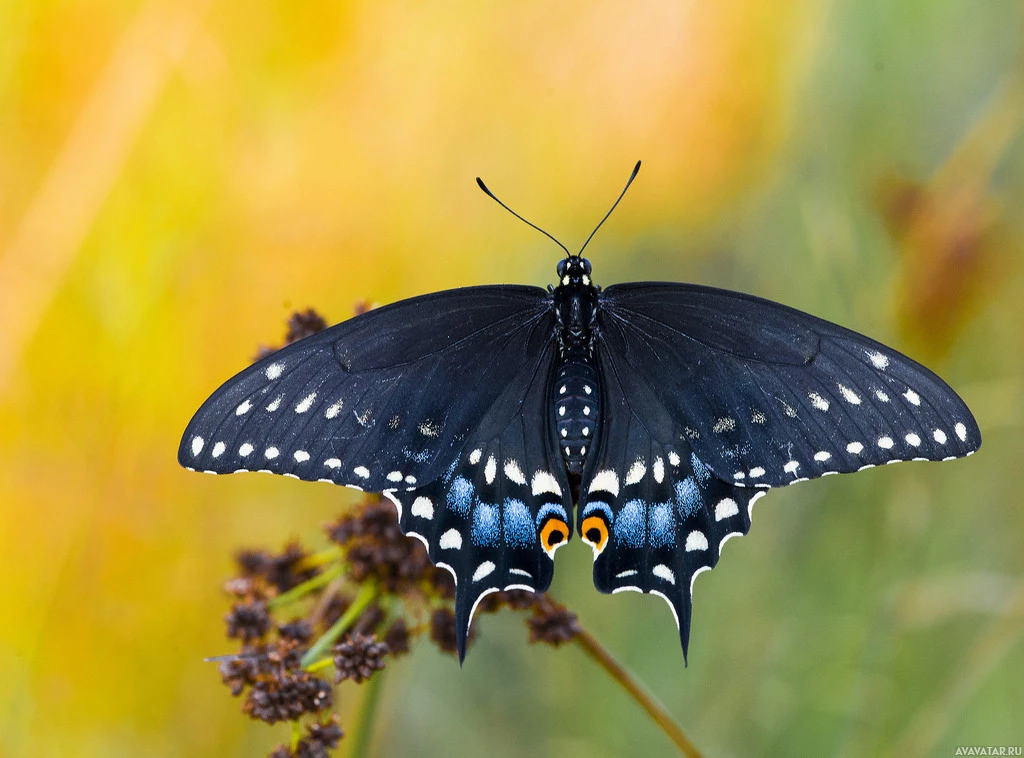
x,y
177,177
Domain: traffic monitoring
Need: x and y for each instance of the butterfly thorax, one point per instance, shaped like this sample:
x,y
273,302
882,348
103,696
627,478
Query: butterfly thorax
x,y
576,390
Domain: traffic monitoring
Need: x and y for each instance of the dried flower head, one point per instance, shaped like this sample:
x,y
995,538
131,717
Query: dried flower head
x,y
249,621
357,657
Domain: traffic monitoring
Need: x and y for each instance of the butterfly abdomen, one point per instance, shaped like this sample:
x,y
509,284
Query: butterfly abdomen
x,y
577,403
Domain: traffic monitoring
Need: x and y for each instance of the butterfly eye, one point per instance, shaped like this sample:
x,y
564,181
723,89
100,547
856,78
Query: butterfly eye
x,y
553,535
595,533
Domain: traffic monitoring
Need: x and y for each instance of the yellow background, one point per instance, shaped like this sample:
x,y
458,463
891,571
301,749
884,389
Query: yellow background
x,y
175,177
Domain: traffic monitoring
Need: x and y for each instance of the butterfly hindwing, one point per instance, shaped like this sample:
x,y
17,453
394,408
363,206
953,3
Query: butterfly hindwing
x,y
496,518
767,395
655,515
380,401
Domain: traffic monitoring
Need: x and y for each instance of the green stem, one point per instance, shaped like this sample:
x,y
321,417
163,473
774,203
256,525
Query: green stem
x,y
646,700
327,555
367,594
296,735
361,741
300,590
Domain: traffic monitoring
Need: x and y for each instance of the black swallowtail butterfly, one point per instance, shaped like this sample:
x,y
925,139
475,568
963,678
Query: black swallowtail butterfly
x,y
661,411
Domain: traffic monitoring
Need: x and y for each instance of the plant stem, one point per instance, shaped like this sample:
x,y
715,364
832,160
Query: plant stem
x,y
367,594
368,712
646,700
296,735
327,555
299,590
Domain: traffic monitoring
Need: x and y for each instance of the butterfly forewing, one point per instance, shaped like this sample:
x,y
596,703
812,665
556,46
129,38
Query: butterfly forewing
x,y
384,400
767,395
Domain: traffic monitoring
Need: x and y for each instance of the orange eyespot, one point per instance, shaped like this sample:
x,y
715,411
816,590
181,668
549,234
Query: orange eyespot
x,y
553,535
594,532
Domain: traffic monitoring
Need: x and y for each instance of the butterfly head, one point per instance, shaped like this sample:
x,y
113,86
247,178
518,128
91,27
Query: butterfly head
x,y
574,270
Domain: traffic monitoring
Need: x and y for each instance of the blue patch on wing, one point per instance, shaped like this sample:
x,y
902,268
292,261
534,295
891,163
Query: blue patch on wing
x,y
700,471
662,523
519,528
688,499
460,496
486,529
630,526
597,505
551,509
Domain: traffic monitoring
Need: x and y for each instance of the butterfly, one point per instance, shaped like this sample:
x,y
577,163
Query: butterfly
x,y
660,412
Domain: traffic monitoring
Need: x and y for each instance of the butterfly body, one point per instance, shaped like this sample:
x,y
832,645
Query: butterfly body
x,y
661,412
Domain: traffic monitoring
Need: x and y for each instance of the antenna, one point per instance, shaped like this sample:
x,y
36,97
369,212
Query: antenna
x,y
493,197
636,170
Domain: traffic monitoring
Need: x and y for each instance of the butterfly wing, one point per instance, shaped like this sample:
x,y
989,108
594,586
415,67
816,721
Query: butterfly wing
x,y
767,395
382,400
442,402
653,512
497,516
708,395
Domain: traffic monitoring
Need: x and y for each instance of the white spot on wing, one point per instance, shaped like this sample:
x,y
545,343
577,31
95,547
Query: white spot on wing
x,y
513,472
270,453
756,472
849,395
912,397
246,449
939,436
961,431
659,470
545,482
822,455
306,403
275,403
664,572
274,371
696,540
490,470
725,508
244,407
673,458
474,457
520,572
626,573
606,481
450,540
724,424
362,472
483,570
422,507
218,449
854,448
882,396
913,440
636,472
878,360
791,467
885,442
301,456
197,445
818,401
334,409
336,463
395,476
